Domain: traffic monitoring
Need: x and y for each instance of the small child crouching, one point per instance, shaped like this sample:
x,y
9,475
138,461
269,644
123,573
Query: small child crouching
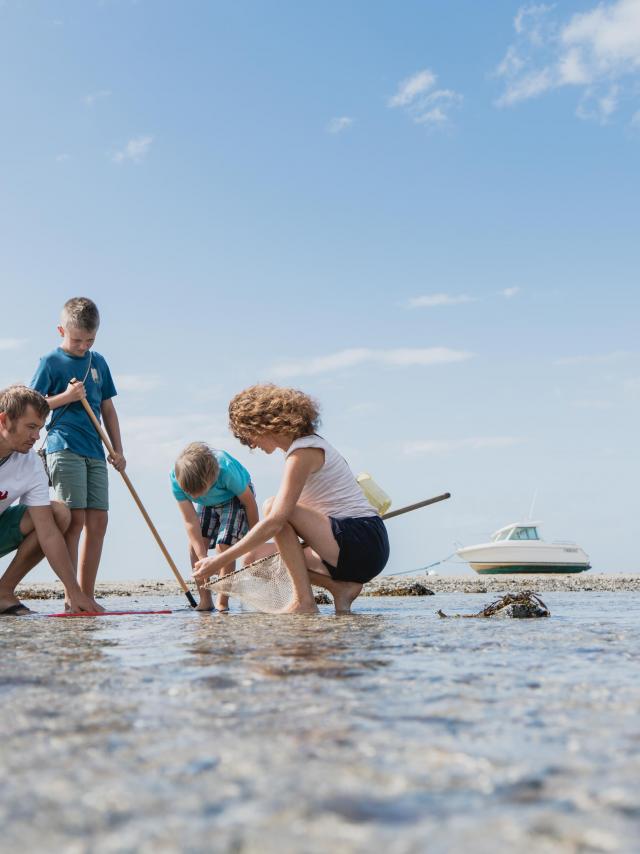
x,y
226,506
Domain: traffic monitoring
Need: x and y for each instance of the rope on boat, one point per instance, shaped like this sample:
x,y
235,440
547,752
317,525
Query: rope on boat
x,y
423,568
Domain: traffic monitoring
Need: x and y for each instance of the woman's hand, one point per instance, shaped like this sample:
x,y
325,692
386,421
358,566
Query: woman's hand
x,y
207,567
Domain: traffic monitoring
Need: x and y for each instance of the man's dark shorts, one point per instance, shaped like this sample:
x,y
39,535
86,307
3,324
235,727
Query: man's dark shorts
x,y
10,534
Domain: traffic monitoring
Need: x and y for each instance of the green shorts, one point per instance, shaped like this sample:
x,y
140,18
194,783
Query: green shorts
x,y
79,482
10,534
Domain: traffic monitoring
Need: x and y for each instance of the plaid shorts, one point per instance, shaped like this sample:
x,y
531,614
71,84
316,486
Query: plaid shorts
x,y
224,523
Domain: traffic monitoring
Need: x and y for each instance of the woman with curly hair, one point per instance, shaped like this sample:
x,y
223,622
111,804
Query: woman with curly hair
x,y
319,501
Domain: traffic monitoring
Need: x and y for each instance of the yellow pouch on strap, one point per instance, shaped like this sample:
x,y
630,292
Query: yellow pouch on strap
x,y
376,496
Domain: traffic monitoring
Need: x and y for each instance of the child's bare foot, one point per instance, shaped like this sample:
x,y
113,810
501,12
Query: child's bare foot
x,y
206,601
222,602
344,593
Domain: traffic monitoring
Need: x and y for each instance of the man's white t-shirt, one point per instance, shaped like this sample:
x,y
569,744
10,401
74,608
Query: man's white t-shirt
x,y
23,478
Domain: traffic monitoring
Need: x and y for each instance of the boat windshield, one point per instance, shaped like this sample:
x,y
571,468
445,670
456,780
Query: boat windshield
x,y
529,533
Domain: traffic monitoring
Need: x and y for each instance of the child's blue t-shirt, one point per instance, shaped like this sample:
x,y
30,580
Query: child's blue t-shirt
x,y
232,480
73,429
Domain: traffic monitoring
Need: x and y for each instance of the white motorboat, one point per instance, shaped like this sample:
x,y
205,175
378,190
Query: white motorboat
x,y
518,548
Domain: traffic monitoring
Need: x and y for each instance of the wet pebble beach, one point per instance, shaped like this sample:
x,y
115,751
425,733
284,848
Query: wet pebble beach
x,y
414,584
389,729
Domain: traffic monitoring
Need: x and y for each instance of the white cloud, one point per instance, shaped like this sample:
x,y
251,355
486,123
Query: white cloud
x,y
594,358
339,124
409,89
12,343
135,150
597,51
139,383
444,446
403,357
508,293
93,97
425,106
598,106
433,300
434,108
527,86
62,158
529,21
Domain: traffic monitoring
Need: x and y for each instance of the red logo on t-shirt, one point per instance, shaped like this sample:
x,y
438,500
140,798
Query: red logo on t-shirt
x,y
3,495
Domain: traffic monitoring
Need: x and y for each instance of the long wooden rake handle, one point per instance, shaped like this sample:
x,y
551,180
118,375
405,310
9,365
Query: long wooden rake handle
x,y
417,505
141,506
411,507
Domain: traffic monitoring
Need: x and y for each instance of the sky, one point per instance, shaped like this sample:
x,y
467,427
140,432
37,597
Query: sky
x,y
425,214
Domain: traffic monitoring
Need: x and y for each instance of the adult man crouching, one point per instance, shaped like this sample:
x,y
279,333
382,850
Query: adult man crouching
x,y
34,528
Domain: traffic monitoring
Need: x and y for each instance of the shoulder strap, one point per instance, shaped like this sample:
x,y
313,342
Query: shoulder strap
x,y
58,415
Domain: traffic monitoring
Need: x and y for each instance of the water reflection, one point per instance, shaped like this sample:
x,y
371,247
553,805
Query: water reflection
x,y
248,732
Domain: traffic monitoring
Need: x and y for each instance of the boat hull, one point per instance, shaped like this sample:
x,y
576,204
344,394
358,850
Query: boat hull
x,y
525,557
528,569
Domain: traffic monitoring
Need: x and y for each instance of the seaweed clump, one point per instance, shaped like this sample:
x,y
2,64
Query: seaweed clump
x,y
519,605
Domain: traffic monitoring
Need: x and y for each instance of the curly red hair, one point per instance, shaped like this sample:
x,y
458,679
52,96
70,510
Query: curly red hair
x,y
268,408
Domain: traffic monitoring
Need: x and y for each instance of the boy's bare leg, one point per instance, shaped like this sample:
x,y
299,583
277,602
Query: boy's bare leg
x,y
95,527
291,550
205,596
222,600
28,555
265,550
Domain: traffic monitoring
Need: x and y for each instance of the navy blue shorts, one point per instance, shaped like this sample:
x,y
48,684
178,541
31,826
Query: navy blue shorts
x,y
364,548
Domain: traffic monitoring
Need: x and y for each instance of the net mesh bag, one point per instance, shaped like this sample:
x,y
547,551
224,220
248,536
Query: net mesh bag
x,y
264,585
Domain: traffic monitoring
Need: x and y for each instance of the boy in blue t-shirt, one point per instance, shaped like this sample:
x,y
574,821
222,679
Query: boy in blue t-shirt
x,y
75,457
226,506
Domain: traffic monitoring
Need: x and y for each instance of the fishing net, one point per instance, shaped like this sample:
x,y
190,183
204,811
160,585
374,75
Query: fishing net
x,y
264,585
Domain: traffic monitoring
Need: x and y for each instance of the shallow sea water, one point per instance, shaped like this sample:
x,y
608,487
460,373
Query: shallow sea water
x,y
390,729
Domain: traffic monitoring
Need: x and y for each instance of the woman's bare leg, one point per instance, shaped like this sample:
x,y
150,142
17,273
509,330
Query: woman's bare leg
x,y
344,592
315,529
290,548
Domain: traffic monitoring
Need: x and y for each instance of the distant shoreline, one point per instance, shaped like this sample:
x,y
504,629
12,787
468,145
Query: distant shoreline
x,y
402,585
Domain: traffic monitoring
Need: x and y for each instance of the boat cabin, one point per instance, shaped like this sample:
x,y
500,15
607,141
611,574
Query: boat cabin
x,y
517,531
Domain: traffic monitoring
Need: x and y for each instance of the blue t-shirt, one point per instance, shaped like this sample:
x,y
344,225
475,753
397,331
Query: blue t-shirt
x,y
232,480
73,428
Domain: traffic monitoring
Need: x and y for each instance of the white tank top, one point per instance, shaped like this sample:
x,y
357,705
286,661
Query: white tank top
x,y
333,490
